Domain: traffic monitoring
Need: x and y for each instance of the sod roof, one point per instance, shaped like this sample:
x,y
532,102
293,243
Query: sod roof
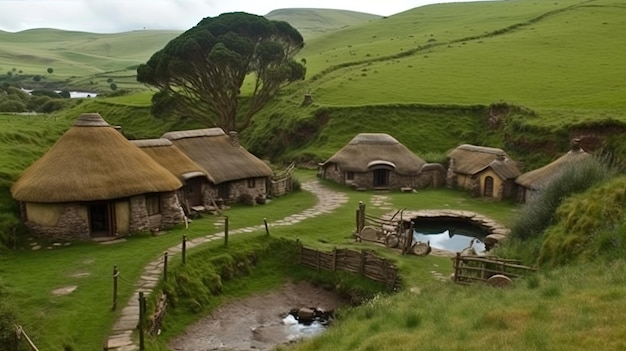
x,y
222,158
92,161
367,149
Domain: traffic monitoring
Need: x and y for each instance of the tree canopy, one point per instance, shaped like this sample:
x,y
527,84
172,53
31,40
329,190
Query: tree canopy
x,y
199,74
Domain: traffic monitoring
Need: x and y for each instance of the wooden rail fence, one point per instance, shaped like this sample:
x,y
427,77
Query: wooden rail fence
x,y
496,271
365,263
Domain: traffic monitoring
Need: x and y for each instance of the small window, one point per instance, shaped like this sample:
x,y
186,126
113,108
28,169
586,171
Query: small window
x,y
153,204
349,175
251,183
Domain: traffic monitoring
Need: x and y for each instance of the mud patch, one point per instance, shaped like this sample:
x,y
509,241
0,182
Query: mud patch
x,y
256,322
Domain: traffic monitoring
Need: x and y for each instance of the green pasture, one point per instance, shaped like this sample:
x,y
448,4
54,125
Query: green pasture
x,y
30,276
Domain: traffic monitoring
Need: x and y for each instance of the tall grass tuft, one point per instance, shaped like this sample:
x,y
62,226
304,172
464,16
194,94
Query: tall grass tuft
x,y
539,213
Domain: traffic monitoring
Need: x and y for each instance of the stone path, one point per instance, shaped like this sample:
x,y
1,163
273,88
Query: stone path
x,y
121,336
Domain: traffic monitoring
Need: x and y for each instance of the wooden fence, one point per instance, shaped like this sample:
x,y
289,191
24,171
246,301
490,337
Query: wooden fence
x,y
496,271
365,263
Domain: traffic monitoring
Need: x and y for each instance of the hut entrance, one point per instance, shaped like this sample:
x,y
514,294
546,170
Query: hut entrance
x,y
193,191
101,220
381,178
223,191
488,189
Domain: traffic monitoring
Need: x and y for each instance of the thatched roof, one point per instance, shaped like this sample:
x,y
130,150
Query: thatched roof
x,y
370,149
168,155
535,179
220,156
92,161
472,159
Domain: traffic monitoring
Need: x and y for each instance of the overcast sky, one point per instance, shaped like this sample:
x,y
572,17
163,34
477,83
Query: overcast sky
x,y
110,16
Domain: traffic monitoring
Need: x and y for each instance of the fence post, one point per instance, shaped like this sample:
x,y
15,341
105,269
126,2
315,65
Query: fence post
x,y
165,266
362,265
267,229
116,273
457,260
142,312
184,252
226,231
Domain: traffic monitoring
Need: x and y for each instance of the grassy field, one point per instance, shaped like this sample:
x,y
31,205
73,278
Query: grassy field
x,y
51,320
429,77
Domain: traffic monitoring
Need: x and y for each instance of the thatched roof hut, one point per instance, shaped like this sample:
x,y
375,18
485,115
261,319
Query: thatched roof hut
x,y
170,157
369,149
92,161
484,171
473,159
220,155
537,178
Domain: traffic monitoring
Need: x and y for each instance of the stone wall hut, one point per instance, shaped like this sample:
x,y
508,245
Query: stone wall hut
x,y
232,171
374,161
93,183
531,182
195,190
484,171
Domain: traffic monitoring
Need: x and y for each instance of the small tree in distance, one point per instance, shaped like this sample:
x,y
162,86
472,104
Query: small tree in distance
x,y
113,86
50,70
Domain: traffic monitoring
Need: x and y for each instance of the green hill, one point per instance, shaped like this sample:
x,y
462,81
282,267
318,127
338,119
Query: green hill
x,y
315,22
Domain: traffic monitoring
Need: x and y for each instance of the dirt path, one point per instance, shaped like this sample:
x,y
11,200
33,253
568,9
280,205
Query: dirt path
x,y
256,322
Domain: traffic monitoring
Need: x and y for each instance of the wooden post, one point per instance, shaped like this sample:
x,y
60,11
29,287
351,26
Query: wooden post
x,y
362,265
361,216
357,219
116,273
457,261
142,313
165,266
267,229
184,253
225,230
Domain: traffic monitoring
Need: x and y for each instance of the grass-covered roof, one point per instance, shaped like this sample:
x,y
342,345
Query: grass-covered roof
x,y
92,161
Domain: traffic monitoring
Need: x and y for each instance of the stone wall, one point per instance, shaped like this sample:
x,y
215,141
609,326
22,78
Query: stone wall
x,y
72,225
281,187
365,180
139,221
240,187
171,210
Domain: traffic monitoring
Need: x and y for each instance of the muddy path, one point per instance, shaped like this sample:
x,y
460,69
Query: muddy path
x,y
256,322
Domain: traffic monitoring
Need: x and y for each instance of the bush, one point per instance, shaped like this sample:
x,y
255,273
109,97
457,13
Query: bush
x,y
246,199
8,320
52,106
49,93
12,106
538,214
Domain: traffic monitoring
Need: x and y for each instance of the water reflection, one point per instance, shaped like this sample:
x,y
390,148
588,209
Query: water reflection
x,y
296,330
451,237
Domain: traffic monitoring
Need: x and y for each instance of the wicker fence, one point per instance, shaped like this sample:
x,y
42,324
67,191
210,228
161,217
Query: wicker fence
x,y
365,263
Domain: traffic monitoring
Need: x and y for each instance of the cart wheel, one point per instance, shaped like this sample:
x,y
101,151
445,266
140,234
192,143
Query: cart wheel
x,y
369,233
499,280
392,240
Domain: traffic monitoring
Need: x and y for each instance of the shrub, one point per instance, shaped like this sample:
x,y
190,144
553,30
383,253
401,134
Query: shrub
x,y
50,93
52,105
8,320
539,213
246,199
12,106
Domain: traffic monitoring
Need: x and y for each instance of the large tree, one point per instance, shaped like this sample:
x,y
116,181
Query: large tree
x,y
199,74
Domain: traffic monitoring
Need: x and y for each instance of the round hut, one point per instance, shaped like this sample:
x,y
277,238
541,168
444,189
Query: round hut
x,y
95,183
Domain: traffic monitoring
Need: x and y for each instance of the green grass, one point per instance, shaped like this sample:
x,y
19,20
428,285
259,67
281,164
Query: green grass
x,y
52,319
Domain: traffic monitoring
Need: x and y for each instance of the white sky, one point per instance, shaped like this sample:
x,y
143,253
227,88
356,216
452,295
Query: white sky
x,y
111,16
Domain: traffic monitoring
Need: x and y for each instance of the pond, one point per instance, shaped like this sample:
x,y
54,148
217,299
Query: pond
x,y
449,234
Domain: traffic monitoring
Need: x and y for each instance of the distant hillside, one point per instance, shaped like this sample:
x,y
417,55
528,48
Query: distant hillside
x,y
314,22
79,60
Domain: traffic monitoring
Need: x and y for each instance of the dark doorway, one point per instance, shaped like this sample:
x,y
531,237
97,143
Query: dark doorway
x,y
101,220
381,178
193,191
488,190
223,191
